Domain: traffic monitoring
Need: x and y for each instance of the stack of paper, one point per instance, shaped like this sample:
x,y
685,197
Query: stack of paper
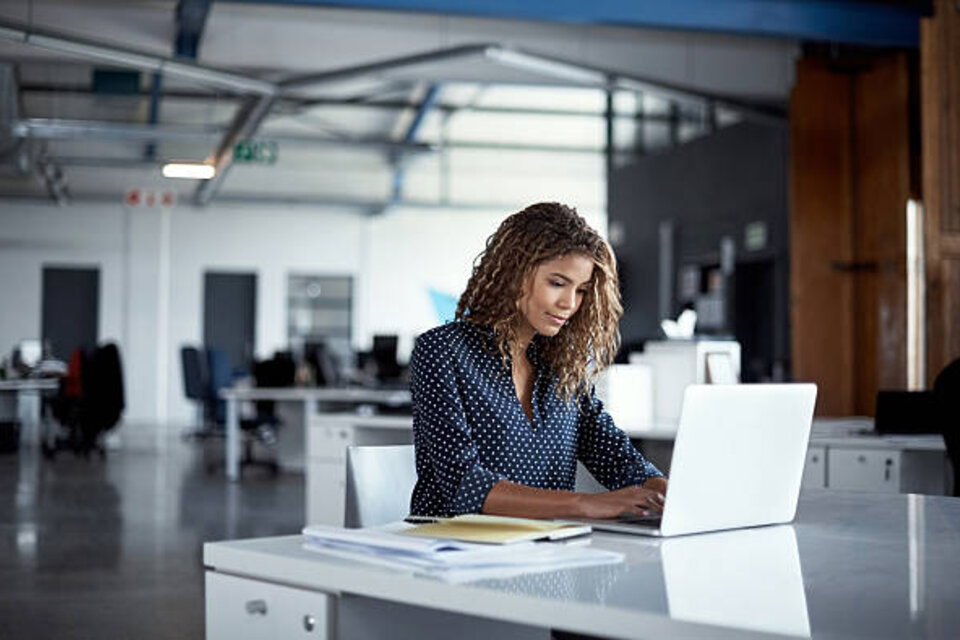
x,y
449,559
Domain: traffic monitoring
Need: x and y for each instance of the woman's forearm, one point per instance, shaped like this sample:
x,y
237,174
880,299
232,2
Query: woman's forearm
x,y
511,499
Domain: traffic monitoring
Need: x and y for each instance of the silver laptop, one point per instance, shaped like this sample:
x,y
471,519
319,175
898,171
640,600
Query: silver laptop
x,y
737,460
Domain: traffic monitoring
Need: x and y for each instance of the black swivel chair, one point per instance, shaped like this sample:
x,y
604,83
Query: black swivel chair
x,y
90,403
934,411
946,391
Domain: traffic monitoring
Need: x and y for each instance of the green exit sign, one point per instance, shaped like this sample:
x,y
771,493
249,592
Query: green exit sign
x,y
256,152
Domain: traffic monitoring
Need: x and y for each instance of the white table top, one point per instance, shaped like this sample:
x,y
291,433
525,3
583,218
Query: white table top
x,y
324,394
30,384
854,565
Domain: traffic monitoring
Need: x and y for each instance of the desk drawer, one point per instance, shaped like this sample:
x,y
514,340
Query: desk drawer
x,y
328,441
240,609
864,470
815,469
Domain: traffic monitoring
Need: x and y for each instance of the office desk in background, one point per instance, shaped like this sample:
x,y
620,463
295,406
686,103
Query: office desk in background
x,y
312,403
846,454
854,565
27,405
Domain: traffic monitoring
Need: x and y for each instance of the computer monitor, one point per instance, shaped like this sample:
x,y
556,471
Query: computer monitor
x,y
319,357
385,357
30,353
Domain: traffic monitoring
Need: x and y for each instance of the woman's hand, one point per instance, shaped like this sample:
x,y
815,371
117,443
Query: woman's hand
x,y
637,501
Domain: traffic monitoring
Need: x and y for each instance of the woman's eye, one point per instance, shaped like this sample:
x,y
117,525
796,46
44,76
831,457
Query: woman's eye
x,y
556,283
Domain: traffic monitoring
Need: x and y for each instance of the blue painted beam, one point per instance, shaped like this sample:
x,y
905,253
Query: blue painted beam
x,y
399,171
191,21
862,22
191,16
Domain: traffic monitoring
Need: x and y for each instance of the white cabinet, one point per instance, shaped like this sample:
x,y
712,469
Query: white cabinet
x,y
886,470
243,609
864,470
815,469
328,437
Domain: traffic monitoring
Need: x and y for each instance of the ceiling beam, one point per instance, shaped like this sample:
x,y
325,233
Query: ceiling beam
x,y
863,22
290,102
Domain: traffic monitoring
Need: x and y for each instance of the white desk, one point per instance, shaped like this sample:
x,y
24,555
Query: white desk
x,y
310,400
862,566
28,405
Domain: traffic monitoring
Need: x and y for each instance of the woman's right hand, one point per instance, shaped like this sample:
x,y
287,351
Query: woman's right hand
x,y
632,500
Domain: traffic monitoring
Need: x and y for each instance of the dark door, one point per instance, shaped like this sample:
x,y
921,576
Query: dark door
x,y
70,310
754,319
229,315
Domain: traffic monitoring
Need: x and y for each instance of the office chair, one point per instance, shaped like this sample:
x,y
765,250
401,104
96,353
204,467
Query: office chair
x,y
90,402
196,389
220,376
946,390
380,482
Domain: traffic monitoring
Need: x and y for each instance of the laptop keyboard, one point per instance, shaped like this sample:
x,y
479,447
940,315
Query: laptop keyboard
x,y
653,521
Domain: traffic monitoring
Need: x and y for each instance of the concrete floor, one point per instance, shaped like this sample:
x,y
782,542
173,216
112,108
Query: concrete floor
x,y
111,548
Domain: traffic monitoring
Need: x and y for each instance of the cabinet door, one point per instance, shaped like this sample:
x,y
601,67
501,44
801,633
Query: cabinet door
x,y
241,609
864,470
815,469
326,492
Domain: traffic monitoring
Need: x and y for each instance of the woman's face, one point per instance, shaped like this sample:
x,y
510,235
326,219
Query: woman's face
x,y
554,293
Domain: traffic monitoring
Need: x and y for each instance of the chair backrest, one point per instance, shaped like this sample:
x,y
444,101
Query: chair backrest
x,y
103,393
219,376
379,484
194,378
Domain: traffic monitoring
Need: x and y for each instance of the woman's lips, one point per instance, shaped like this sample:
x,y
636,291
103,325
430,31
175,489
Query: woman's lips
x,y
557,320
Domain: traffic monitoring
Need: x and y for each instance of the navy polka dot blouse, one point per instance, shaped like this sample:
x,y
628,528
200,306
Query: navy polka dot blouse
x,y
470,430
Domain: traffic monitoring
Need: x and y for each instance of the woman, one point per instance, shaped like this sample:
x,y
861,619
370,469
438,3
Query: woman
x,y
503,404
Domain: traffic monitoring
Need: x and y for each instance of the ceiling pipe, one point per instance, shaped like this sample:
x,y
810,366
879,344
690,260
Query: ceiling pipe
x,y
120,56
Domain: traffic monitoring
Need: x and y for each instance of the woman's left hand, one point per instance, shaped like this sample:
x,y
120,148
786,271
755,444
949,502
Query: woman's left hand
x,y
658,484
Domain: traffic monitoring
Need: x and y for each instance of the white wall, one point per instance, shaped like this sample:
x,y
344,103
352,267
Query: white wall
x,y
142,253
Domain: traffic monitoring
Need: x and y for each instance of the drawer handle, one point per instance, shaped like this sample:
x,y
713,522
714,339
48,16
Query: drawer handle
x,y
861,458
886,471
257,607
309,622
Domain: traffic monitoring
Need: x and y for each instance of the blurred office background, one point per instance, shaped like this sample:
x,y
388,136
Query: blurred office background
x,y
786,169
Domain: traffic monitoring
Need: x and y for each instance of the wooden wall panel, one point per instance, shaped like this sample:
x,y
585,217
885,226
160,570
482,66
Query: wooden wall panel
x,y
940,98
821,234
881,134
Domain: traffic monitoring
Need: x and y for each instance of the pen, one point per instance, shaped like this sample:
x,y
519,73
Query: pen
x,y
419,519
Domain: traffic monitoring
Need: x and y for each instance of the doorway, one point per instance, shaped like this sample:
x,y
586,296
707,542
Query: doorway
x,y
229,316
70,309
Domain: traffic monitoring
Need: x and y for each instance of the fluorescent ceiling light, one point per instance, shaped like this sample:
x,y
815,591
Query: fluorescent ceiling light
x,y
189,170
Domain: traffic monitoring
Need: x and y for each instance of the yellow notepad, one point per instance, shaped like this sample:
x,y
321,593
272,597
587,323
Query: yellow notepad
x,y
476,527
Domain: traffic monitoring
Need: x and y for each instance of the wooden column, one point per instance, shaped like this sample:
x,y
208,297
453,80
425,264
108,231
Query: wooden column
x,y
821,235
850,182
940,96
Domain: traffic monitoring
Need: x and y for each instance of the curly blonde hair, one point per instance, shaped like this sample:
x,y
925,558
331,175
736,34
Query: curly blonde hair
x,y
588,342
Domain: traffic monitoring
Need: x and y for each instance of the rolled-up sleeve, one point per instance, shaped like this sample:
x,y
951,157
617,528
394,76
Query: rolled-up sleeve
x,y
450,477
606,451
